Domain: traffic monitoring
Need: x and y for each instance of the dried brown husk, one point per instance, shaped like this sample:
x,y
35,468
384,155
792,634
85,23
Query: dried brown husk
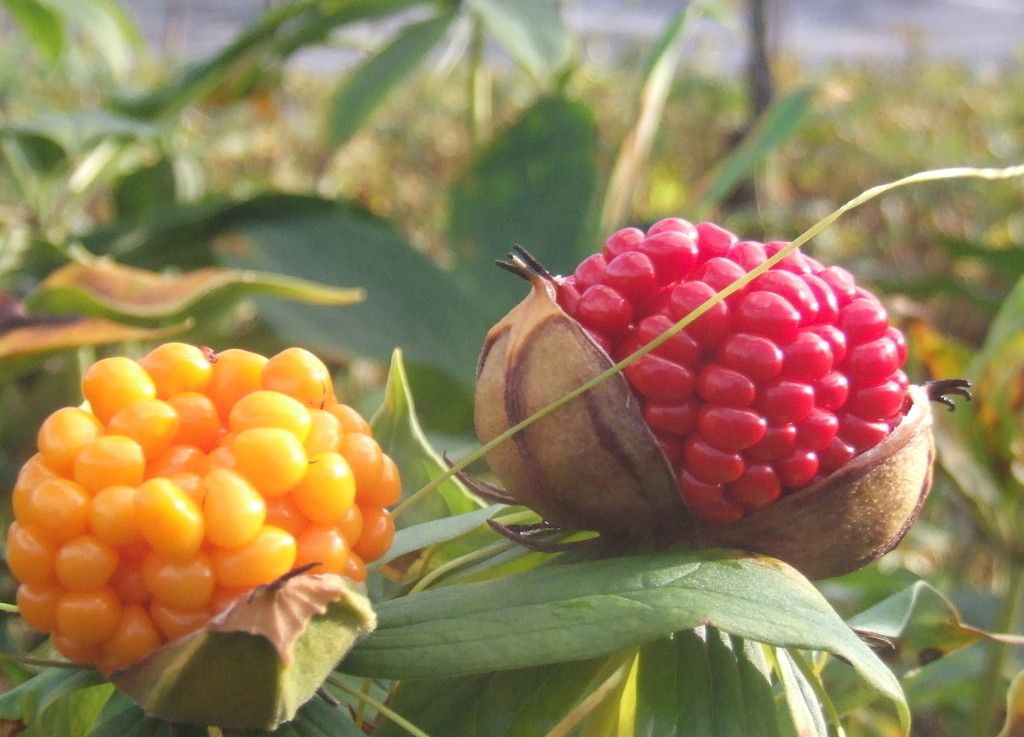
x,y
256,662
594,464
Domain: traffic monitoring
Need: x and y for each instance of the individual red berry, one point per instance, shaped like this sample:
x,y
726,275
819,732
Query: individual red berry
x,y
786,401
681,347
748,254
797,468
713,240
900,342
877,402
807,358
863,320
828,307
659,379
861,434
719,272
707,501
631,274
569,295
604,310
709,464
730,428
841,282
676,419
710,327
817,430
590,271
758,487
720,385
768,314
756,356
835,456
869,363
831,391
621,241
673,253
794,289
778,441
671,446
674,225
836,341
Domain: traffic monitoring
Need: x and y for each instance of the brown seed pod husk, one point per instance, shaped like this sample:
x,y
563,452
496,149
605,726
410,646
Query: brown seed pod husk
x,y
594,464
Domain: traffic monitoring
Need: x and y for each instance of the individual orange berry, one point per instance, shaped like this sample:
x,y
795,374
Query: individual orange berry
x,y
174,623
355,568
272,459
191,484
58,508
198,421
282,513
76,651
266,557
324,432
326,491
224,596
34,472
85,564
235,374
88,617
323,545
30,556
113,383
298,373
351,421
151,423
388,488
112,516
185,585
178,459
37,605
232,509
135,637
269,409
351,524
127,583
176,368
64,433
221,457
367,462
112,460
168,519
378,533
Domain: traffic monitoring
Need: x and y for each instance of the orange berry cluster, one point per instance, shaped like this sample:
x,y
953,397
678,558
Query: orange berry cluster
x,y
186,480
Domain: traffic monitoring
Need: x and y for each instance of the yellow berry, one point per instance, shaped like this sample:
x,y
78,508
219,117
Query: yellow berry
x,y
351,524
235,374
268,556
30,556
34,472
77,651
112,516
198,421
112,460
221,457
37,605
127,583
377,535
324,432
355,568
174,623
135,637
272,459
269,409
88,617
64,433
367,462
85,564
386,491
191,484
282,513
113,383
299,374
323,545
168,519
183,585
177,459
351,421
232,509
176,368
58,508
152,423
327,491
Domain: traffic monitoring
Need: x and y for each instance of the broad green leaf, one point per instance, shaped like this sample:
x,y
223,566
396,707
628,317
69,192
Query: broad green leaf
x,y
586,609
29,699
121,717
802,703
533,187
73,714
146,189
922,624
43,27
532,31
776,126
418,536
30,151
108,28
105,288
1013,726
316,719
398,431
512,703
370,83
1007,325
76,130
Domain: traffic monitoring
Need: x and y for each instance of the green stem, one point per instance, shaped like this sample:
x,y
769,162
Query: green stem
x,y
818,227
9,608
990,693
478,554
389,713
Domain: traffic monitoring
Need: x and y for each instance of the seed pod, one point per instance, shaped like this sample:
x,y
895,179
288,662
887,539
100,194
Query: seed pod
x,y
256,663
595,464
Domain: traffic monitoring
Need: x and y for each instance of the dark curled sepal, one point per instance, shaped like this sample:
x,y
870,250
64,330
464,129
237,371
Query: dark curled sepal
x,y
539,536
940,391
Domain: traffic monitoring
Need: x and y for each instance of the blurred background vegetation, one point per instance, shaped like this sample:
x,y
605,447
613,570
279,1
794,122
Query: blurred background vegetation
x,y
454,130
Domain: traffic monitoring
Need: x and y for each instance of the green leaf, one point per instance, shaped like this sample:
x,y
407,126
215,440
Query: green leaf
x,y
517,703
533,187
43,27
31,151
590,608
802,703
121,717
28,700
1007,325
371,82
109,289
418,536
74,714
923,626
398,431
776,126
532,31
316,719
76,130
145,190
108,28
1013,726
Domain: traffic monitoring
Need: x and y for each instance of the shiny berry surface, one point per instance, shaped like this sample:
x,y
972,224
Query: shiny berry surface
x,y
769,390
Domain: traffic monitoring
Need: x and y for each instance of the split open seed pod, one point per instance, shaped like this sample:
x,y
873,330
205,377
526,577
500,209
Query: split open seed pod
x,y
594,463
256,662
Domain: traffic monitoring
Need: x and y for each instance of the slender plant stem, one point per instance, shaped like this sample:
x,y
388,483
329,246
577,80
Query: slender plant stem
x,y
9,608
989,692
478,554
389,713
866,196
361,709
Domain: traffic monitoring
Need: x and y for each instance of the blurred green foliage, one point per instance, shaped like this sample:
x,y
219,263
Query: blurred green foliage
x,y
410,173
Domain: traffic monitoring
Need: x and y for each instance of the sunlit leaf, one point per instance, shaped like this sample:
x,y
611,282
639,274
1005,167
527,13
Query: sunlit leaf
x,y
418,536
804,708
532,31
43,27
103,287
1014,724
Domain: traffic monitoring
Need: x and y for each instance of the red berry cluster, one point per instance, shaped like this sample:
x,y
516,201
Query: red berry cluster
x,y
780,384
